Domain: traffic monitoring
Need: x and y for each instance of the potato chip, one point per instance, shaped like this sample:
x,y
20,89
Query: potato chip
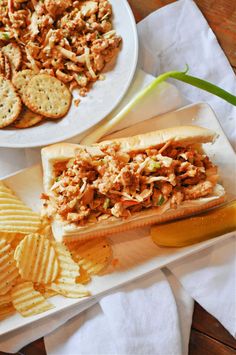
x,y
4,188
46,229
6,310
93,255
6,307
44,290
27,301
15,216
36,259
83,277
65,284
8,269
9,237
12,238
16,241
5,299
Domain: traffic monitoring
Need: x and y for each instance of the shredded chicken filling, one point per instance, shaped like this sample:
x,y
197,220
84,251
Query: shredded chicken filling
x,y
72,40
93,188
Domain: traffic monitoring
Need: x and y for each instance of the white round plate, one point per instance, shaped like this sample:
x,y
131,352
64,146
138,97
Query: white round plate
x,y
100,101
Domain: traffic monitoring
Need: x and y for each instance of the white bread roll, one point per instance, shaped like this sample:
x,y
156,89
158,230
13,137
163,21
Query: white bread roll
x,y
183,135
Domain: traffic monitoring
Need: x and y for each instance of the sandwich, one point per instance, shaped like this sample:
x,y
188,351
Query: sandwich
x,y
116,185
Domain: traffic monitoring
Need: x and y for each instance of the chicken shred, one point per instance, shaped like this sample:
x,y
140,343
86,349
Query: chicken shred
x,y
114,184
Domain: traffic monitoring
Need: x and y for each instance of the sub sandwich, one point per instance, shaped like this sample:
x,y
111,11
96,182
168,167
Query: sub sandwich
x,y
125,183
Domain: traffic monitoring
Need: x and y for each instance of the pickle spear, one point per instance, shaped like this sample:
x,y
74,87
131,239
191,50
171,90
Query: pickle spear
x,y
207,225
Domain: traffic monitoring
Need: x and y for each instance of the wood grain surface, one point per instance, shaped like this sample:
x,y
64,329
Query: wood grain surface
x,y
208,337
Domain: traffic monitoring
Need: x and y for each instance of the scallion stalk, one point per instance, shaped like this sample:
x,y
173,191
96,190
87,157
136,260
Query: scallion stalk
x,y
181,76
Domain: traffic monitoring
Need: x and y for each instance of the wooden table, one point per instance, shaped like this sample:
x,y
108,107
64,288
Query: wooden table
x,y
208,337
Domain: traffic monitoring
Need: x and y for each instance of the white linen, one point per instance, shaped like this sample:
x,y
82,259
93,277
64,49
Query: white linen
x,y
210,278
145,315
141,318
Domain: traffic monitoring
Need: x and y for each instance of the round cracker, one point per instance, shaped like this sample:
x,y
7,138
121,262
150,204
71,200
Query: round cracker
x,y
21,79
47,96
10,103
2,64
13,52
27,119
7,71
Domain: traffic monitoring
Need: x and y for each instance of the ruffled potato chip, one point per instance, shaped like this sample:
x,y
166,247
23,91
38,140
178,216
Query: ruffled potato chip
x,y
65,284
83,277
93,255
6,308
15,216
27,301
8,270
36,259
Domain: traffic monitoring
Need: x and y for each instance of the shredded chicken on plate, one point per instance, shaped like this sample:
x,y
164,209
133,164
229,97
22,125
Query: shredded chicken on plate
x,y
72,40
116,184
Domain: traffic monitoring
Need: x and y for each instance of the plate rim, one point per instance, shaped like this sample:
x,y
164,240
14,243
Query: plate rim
x,y
135,55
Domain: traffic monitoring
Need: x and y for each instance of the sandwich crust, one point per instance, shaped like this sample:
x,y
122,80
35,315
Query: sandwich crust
x,y
183,134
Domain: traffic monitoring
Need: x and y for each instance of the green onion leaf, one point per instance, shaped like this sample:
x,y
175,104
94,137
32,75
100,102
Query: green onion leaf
x,y
154,165
182,76
4,35
161,200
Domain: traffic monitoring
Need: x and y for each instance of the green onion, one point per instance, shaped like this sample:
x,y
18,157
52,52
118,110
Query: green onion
x,y
4,35
154,165
106,203
204,85
182,76
161,200
70,163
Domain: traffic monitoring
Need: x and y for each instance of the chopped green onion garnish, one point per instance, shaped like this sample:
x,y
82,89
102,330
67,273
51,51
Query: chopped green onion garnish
x,y
70,163
4,35
154,165
161,200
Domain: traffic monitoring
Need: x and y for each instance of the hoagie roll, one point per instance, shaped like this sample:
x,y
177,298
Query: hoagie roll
x,y
125,183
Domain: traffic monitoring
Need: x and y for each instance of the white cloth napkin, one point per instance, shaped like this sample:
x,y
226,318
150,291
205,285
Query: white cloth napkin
x,y
145,317
141,318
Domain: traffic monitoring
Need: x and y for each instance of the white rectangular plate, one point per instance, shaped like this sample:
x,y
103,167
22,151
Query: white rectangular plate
x,y
136,253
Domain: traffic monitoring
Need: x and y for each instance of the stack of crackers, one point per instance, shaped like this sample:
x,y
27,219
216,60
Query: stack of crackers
x,y
26,97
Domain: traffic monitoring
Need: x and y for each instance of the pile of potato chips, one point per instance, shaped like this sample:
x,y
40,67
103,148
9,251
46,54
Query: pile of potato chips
x,y
34,267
